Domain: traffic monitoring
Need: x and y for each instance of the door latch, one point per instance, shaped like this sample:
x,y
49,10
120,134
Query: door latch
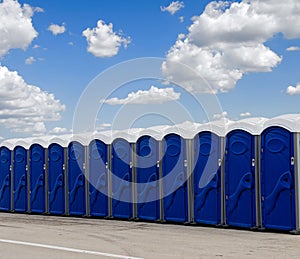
x,y
253,162
292,160
185,163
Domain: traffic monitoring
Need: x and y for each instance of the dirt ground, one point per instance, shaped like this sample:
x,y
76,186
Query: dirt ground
x,y
32,236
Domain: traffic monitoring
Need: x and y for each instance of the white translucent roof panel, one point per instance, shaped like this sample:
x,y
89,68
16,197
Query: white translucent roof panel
x,y
44,142
156,134
290,122
104,136
186,130
252,125
25,143
217,127
62,140
9,143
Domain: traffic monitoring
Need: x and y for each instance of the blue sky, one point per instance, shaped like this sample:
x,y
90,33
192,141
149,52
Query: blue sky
x,y
246,51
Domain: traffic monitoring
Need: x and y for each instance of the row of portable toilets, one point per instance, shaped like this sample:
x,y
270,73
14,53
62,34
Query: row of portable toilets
x,y
241,174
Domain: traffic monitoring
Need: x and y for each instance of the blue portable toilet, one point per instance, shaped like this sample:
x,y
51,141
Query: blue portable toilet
x,y
280,171
98,178
20,179
241,173
147,174
240,179
37,178
122,200
207,178
175,198
76,179
5,179
56,178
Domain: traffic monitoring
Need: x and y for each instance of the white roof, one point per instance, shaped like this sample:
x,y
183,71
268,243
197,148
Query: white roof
x,y
154,133
252,125
290,122
186,130
217,127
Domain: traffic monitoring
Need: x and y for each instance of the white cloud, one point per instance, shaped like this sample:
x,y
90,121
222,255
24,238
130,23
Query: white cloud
x,y
38,10
173,7
293,48
245,114
219,116
58,130
292,90
223,40
103,41
152,96
16,29
23,107
181,19
36,46
30,60
57,29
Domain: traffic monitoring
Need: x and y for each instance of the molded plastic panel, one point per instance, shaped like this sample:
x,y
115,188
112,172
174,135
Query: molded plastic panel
x,y
20,179
121,180
240,179
76,179
5,177
56,180
277,178
37,179
175,201
207,179
98,180
148,174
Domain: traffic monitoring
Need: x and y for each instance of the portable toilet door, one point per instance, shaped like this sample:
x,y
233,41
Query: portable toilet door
x,y
122,206
277,179
20,179
76,179
5,179
147,170
240,179
37,179
175,201
56,180
98,179
207,178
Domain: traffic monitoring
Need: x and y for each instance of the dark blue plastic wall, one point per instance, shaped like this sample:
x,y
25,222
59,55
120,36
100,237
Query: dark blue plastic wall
x,y
175,201
98,179
207,179
147,174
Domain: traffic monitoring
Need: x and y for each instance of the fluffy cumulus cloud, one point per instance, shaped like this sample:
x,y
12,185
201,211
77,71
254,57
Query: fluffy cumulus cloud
x,y
103,41
24,107
152,96
58,130
29,60
173,7
228,40
38,10
16,29
220,116
293,48
57,29
292,90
